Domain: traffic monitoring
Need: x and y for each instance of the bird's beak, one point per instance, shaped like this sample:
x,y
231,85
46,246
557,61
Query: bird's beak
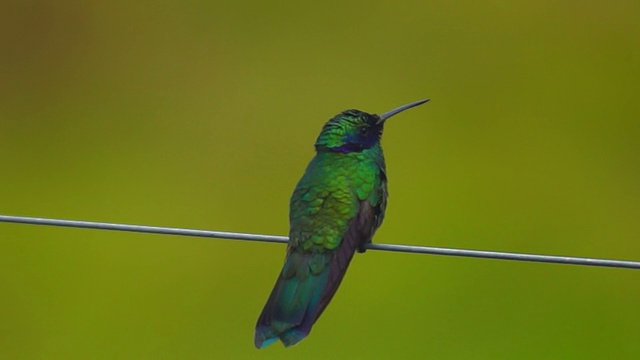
x,y
402,108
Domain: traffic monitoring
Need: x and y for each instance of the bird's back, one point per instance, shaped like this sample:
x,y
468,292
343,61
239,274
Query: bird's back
x,y
334,210
329,194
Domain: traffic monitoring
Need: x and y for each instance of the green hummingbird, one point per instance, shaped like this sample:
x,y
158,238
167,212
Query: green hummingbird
x,y
335,209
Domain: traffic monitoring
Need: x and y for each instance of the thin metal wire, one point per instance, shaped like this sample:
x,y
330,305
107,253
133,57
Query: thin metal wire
x,y
570,260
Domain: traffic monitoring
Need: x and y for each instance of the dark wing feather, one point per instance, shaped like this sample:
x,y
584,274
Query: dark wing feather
x,y
360,230
378,211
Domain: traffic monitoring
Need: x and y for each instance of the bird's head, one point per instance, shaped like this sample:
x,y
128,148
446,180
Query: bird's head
x,y
355,130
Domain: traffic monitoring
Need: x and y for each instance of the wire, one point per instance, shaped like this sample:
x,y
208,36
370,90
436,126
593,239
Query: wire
x,y
570,260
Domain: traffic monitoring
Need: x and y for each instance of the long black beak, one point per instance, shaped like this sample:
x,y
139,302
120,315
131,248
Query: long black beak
x,y
402,108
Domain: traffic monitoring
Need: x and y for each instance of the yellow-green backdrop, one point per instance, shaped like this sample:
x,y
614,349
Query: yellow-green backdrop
x,y
202,114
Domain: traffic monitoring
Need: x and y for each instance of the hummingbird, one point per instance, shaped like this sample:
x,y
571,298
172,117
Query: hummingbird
x,y
335,209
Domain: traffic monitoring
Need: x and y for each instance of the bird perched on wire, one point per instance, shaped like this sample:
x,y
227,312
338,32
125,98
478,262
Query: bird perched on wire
x,y
335,209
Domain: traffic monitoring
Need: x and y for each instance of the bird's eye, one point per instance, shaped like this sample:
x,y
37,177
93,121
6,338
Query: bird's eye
x,y
362,130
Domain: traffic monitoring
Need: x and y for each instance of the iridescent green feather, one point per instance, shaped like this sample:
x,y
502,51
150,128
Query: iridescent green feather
x,y
328,196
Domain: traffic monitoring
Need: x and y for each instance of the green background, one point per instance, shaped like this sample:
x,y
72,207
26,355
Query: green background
x,y
202,114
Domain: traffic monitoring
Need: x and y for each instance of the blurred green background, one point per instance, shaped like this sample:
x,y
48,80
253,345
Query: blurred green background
x,y
202,114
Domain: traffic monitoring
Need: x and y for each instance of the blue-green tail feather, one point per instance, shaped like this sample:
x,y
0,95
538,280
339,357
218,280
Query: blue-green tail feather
x,y
292,307
303,290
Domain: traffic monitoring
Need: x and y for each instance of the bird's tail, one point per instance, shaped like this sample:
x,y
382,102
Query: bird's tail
x,y
303,290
